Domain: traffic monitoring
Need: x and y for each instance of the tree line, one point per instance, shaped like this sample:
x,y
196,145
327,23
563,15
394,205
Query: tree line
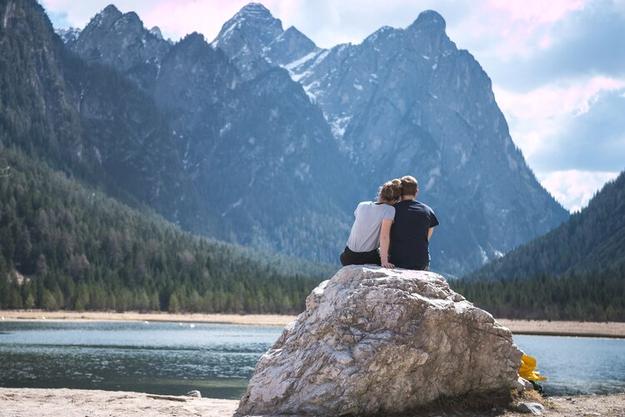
x,y
64,245
585,296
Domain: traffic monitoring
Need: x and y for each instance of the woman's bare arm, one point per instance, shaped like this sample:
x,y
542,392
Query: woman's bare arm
x,y
385,240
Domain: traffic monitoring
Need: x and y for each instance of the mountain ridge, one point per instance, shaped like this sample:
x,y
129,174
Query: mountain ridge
x,y
305,135
356,86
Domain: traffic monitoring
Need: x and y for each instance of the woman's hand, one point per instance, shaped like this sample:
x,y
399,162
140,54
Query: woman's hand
x,y
387,264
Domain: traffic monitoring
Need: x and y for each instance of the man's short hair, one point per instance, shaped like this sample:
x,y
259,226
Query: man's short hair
x,y
409,185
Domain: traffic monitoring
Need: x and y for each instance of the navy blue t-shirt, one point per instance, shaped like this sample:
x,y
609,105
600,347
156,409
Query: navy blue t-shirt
x,y
409,235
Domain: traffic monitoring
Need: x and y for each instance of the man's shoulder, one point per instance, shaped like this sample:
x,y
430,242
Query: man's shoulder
x,y
424,206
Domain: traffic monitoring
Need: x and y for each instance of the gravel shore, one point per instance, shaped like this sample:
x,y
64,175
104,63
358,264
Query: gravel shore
x,y
29,402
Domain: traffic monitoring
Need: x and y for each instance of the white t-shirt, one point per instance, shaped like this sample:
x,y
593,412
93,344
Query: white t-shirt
x,y
365,233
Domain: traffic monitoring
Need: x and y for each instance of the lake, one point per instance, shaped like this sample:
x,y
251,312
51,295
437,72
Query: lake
x,y
218,359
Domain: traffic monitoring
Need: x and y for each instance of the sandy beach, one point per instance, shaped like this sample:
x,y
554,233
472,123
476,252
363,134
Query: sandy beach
x,y
537,327
28,402
249,319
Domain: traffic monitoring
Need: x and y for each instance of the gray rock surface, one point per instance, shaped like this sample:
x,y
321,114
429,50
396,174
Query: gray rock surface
x,y
379,341
536,409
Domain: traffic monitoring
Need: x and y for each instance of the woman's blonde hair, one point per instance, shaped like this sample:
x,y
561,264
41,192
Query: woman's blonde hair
x,y
390,191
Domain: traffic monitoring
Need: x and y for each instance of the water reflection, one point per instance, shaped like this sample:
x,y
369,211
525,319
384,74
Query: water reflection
x,y
162,358
218,359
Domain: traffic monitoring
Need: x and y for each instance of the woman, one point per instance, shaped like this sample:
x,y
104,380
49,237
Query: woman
x,y
372,227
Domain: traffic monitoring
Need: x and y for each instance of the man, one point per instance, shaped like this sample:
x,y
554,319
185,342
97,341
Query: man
x,y
412,229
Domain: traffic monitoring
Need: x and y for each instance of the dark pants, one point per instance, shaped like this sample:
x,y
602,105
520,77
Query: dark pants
x,y
349,257
425,267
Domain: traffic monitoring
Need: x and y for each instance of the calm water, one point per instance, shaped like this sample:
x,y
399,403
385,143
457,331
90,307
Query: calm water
x,y
171,358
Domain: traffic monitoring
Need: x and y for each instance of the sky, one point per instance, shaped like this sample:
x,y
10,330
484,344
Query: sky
x,y
557,66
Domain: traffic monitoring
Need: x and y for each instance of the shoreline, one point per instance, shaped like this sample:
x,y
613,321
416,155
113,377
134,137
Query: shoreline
x,y
276,320
520,327
52,402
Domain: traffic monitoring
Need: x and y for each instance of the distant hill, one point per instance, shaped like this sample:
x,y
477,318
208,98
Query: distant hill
x,y
66,246
576,271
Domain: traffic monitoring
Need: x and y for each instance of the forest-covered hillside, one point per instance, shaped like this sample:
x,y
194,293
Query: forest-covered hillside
x,y
64,245
576,271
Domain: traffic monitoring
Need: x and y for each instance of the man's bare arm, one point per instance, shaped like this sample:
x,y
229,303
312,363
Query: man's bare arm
x,y
430,231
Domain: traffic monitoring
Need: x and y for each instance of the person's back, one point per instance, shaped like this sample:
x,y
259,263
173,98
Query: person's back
x,y
365,232
371,229
411,230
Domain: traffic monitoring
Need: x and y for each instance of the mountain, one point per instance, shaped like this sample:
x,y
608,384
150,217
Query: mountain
x,y
590,240
574,272
65,245
254,40
220,156
111,29
247,145
409,101
262,138
87,120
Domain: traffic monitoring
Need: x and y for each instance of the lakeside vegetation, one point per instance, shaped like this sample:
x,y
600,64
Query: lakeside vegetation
x,y
591,296
64,245
574,272
67,246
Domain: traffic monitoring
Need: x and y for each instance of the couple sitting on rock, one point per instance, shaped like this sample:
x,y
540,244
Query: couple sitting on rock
x,y
394,231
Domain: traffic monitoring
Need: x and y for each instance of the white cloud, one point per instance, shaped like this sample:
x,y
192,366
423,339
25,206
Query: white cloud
x,y
537,117
540,123
572,188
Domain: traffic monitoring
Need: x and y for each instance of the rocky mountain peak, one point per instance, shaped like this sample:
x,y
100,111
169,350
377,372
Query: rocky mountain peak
x,y
131,18
255,10
429,20
111,10
293,33
246,36
254,19
382,33
289,46
120,40
193,43
427,34
156,31
107,16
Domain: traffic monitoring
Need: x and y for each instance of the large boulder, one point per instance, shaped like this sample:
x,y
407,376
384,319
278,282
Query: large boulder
x,y
378,341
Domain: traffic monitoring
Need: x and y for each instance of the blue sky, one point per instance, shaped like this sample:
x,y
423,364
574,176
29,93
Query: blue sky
x,y
557,66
